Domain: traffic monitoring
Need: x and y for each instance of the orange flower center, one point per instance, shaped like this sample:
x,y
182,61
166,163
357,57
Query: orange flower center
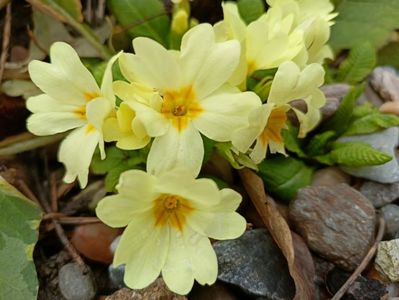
x,y
81,110
181,106
171,210
276,122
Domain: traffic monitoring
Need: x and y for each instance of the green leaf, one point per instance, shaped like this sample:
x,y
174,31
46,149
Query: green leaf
x,y
291,141
360,62
319,143
342,117
364,20
71,7
142,18
372,122
209,147
283,176
250,10
116,162
19,222
389,55
354,154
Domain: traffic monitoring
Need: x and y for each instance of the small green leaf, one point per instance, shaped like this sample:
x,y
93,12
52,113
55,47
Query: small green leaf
x,y
142,18
112,178
354,154
319,143
360,62
291,141
116,162
342,117
236,159
19,222
283,176
364,20
250,10
372,122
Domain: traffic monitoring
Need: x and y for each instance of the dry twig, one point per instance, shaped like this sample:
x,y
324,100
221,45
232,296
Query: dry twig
x,y
364,263
6,40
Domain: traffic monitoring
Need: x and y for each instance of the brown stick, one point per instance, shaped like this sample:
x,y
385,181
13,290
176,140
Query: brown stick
x,y
62,219
53,192
364,263
6,40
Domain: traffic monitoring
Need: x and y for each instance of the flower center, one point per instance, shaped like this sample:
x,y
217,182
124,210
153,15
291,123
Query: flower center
x,y
276,122
81,110
180,106
171,210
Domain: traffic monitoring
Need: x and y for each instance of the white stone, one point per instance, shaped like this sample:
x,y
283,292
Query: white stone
x,y
387,259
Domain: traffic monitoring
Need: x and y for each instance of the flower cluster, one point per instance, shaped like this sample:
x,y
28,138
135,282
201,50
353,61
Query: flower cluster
x,y
169,101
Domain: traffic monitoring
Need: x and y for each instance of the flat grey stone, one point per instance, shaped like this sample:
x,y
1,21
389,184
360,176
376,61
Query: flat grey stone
x,y
74,285
386,141
380,194
254,263
116,275
391,216
337,222
385,81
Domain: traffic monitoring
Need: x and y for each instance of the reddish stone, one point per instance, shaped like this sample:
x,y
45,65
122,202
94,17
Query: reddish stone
x,y
94,240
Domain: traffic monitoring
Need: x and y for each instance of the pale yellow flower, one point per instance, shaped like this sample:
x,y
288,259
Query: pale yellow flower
x,y
123,126
192,96
314,19
266,42
169,219
266,122
71,100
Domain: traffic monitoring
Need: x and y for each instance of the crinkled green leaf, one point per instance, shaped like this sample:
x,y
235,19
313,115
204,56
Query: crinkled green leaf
x,y
283,176
19,222
364,20
142,18
354,154
319,143
250,10
372,122
116,162
342,117
359,63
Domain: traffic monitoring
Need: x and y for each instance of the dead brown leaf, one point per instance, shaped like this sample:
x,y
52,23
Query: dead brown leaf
x,y
299,260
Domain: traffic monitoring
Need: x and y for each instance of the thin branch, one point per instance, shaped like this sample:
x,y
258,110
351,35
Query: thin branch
x,y
6,40
53,192
364,263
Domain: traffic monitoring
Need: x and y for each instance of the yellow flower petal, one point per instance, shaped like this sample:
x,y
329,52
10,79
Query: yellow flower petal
x,y
118,210
176,150
224,113
76,151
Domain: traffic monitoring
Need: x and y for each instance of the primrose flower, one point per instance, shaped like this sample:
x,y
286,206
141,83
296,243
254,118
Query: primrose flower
x,y
266,42
191,97
170,218
71,100
123,126
314,19
266,122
